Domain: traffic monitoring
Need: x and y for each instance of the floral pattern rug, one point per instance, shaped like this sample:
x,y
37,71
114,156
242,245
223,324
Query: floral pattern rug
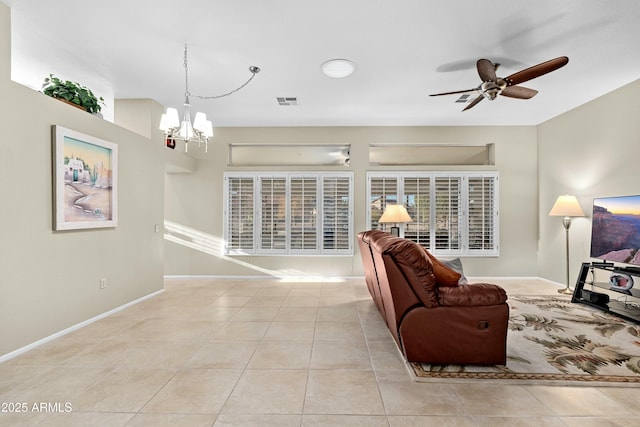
x,y
551,340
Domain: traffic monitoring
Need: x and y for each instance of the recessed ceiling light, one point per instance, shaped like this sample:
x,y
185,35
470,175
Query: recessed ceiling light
x,y
338,68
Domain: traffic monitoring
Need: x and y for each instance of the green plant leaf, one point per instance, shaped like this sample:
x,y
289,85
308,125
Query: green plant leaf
x,y
73,92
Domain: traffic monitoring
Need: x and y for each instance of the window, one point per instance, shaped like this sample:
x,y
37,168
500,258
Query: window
x,y
454,213
239,233
288,213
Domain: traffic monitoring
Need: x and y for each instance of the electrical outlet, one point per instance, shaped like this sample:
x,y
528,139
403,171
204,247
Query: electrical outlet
x,y
103,283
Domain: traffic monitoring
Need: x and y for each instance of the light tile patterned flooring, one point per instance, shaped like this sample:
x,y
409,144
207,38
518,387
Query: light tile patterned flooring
x,y
272,353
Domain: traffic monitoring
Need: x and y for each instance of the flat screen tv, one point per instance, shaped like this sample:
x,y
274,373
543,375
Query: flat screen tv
x,y
615,229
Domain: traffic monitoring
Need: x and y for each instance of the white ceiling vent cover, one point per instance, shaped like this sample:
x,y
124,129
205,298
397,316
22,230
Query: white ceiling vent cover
x,y
290,101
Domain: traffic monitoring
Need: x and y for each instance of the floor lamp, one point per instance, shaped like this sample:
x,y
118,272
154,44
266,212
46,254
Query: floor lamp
x,y
395,214
567,207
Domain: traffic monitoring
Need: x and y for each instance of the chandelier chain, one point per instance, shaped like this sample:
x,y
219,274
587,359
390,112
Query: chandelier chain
x,y
228,93
186,73
253,69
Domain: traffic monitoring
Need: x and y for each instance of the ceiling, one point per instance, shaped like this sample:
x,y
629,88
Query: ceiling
x,y
403,50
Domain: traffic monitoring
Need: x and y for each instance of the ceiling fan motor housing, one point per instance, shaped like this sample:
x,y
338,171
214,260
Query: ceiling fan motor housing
x,y
492,89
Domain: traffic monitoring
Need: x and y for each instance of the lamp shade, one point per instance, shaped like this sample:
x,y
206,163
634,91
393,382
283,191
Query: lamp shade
x,y
566,206
200,122
208,129
395,213
172,119
186,130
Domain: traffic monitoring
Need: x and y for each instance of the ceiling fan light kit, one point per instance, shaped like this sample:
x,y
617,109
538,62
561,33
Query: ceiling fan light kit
x,y
492,85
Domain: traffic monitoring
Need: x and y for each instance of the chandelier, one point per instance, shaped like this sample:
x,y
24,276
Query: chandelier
x,y
201,129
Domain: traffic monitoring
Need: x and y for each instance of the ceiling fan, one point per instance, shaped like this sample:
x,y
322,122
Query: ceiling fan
x,y
492,85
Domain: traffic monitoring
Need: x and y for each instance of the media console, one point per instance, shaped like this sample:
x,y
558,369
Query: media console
x,y
596,287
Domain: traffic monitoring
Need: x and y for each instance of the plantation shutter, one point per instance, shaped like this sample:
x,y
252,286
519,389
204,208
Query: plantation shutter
x,y
453,213
336,213
288,213
482,212
239,228
417,200
273,225
304,212
447,212
383,191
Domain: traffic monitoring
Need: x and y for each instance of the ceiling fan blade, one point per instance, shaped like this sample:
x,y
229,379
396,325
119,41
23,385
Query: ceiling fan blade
x,y
474,102
486,70
519,92
454,92
536,71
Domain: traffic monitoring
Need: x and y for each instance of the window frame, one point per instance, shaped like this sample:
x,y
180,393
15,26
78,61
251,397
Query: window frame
x,y
463,206
321,211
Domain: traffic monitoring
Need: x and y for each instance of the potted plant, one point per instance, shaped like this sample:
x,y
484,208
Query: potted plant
x,y
73,93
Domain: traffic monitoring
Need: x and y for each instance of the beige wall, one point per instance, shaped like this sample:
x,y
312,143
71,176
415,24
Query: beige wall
x,y
5,44
591,151
195,201
49,280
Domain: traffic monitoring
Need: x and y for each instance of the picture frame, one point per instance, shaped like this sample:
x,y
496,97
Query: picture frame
x,y
85,172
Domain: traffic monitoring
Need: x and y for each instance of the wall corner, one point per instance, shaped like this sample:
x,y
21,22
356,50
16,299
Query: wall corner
x,y
5,43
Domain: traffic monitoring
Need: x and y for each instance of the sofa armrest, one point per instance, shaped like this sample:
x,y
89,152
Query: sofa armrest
x,y
471,295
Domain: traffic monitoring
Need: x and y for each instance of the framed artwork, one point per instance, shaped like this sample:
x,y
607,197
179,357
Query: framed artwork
x,y
85,171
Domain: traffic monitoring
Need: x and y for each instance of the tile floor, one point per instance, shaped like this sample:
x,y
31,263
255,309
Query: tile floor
x,y
271,353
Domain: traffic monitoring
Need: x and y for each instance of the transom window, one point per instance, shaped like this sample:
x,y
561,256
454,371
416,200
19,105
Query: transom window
x,y
453,213
288,213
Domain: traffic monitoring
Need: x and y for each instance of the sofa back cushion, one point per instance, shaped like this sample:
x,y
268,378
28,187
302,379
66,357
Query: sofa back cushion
x,y
414,265
370,273
367,261
445,276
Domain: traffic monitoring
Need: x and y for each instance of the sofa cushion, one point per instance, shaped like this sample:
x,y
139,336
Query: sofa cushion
x,y
456,265
471,295
414,264
445,276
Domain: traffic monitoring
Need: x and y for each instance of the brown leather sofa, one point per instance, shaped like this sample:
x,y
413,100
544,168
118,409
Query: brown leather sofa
x,y
430,322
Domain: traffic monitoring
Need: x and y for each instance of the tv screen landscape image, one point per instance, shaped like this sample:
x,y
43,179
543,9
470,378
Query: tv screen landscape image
x,y
615,229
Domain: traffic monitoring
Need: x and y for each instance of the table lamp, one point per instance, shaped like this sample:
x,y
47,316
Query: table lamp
x,y
395,214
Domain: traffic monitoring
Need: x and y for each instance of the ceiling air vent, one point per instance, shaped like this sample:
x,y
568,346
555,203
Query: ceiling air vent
x,y
464,98
290,101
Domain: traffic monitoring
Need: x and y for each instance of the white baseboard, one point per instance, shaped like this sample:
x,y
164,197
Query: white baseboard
x,y
551,282
335,278
496,278
282,277
59,334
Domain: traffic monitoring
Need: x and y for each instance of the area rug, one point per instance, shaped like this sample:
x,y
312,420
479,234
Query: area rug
x,y
553,341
